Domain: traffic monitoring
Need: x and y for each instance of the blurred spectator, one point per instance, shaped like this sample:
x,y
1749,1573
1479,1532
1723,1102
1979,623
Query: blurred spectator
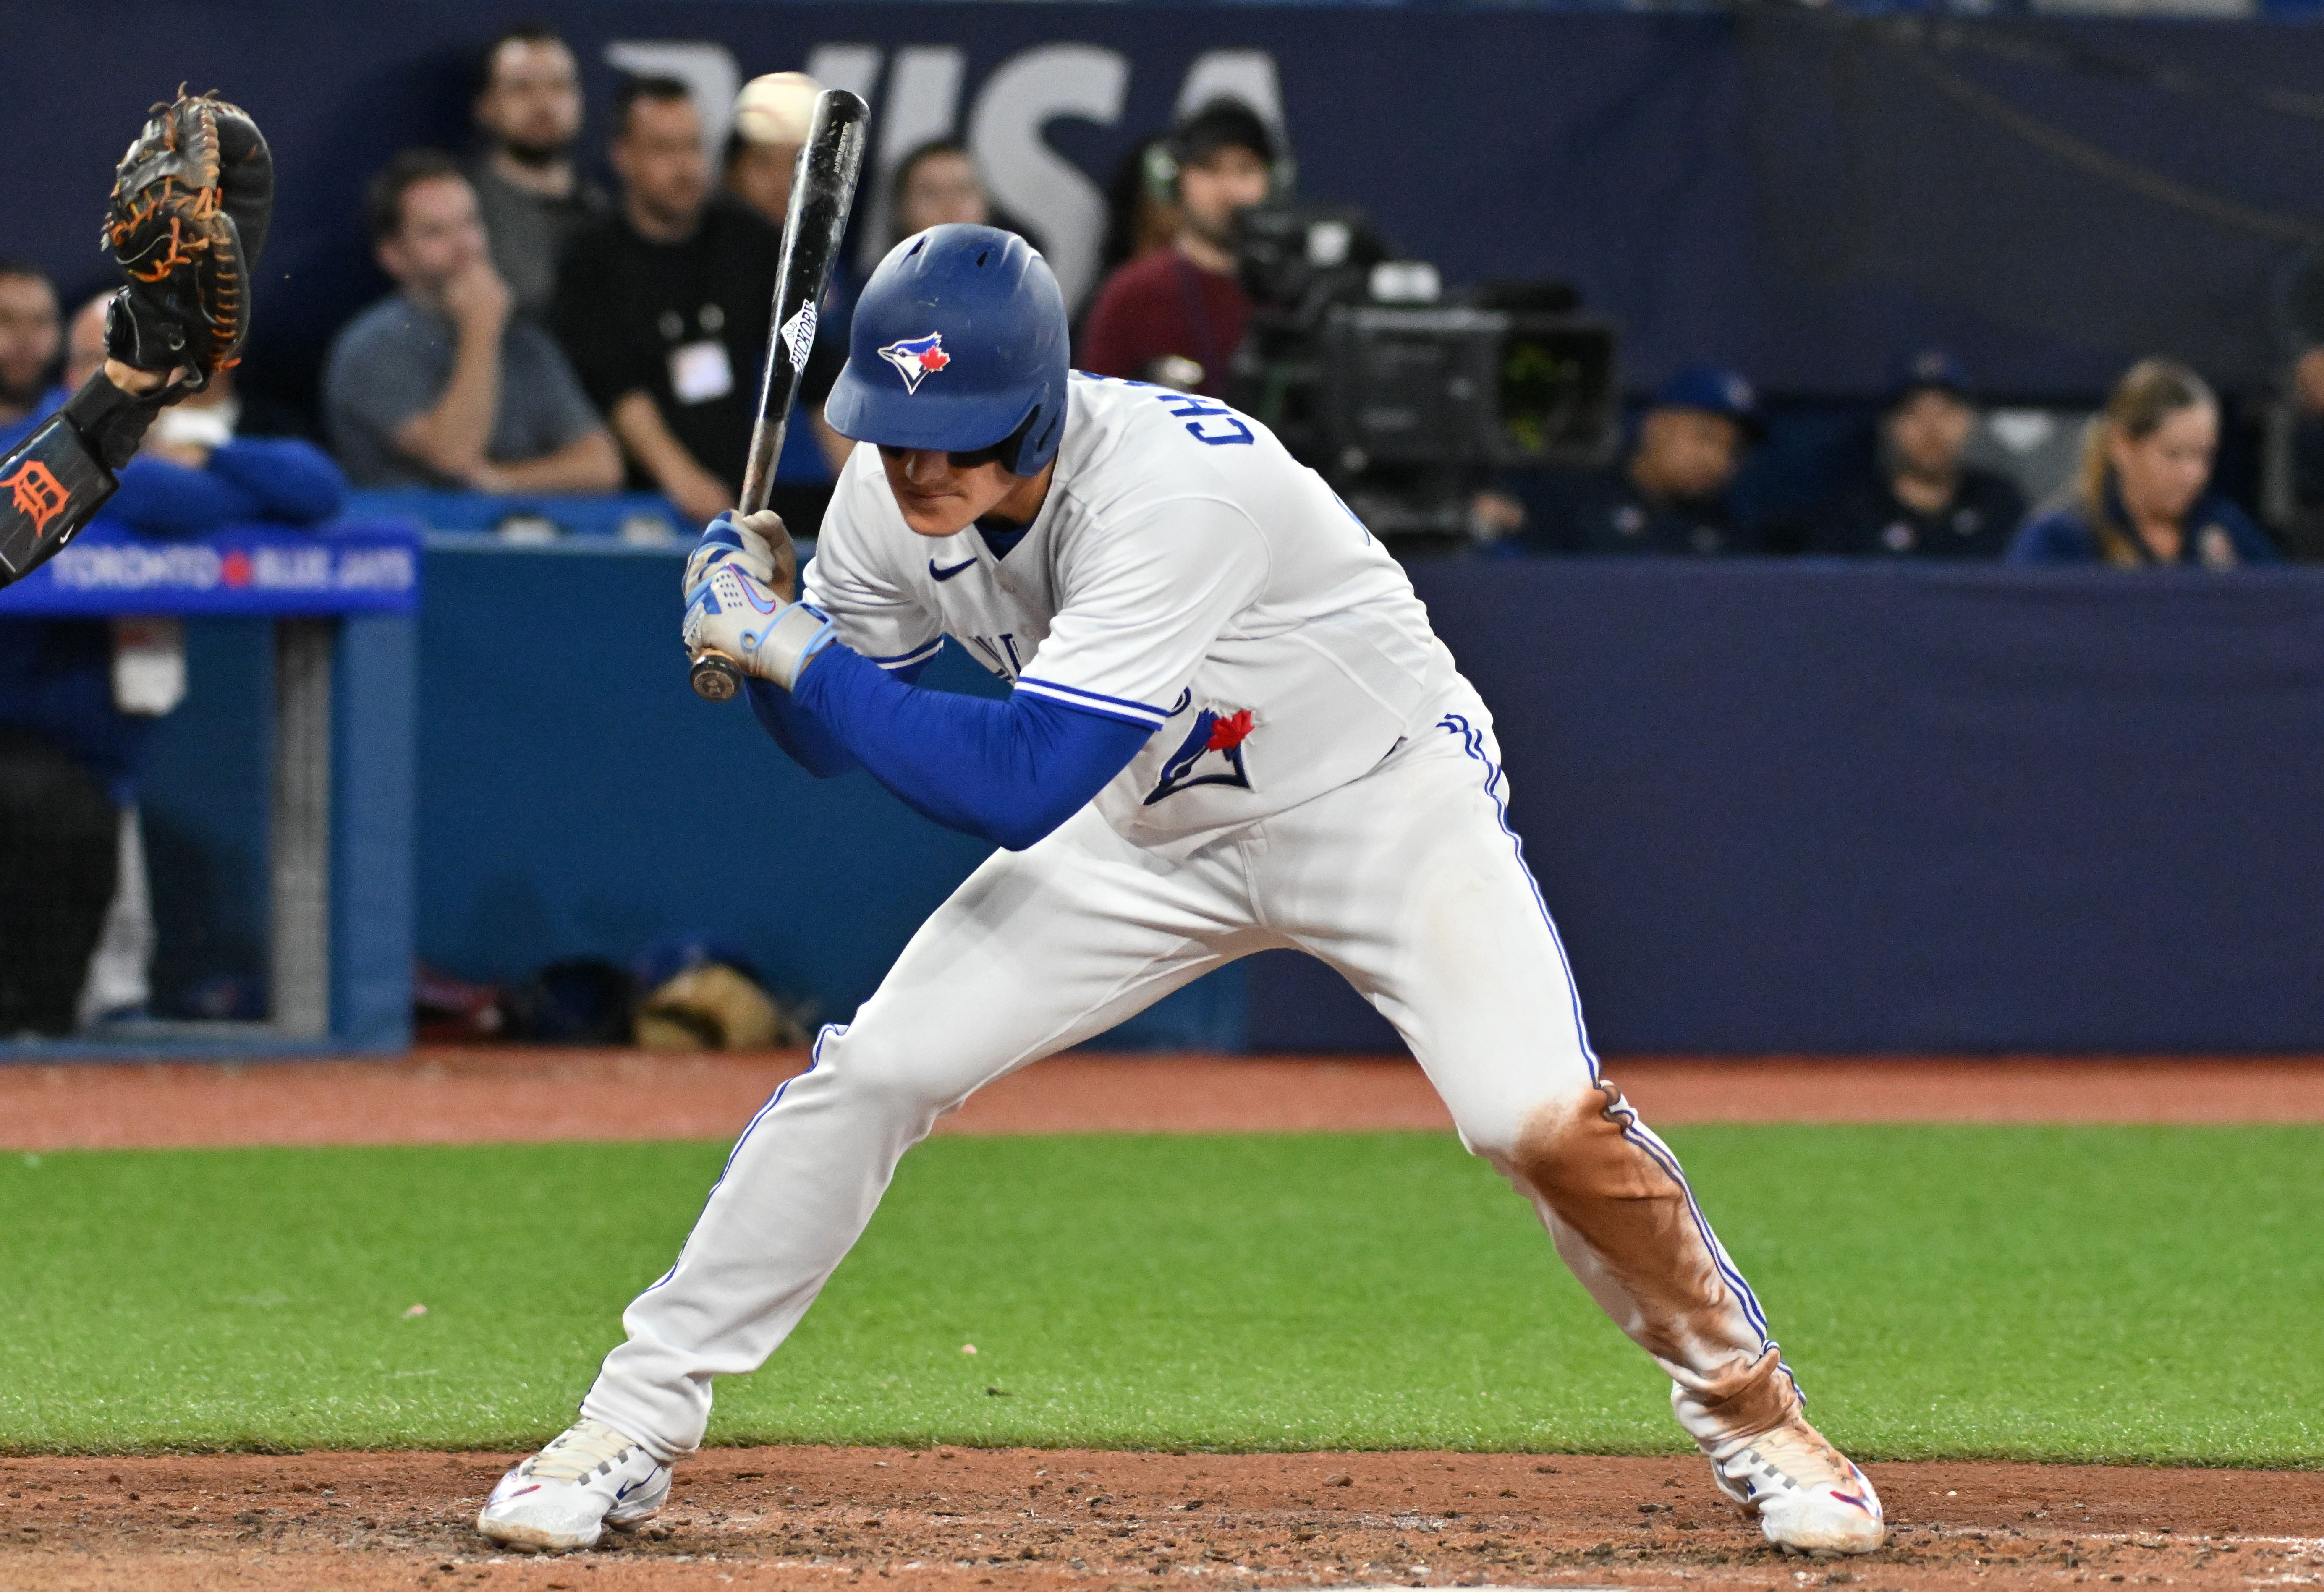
x,y
937,184
2142,500
665,306
1671,493
440,384
196,471
1177,316
1920,499
529,196
1140,215
29,336
2295,465
771,115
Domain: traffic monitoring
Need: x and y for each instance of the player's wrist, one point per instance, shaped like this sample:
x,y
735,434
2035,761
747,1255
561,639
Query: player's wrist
x,y
798,634
134,381
110,418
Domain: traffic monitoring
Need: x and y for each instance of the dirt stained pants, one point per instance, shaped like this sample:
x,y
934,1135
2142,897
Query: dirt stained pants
x,y
1408,882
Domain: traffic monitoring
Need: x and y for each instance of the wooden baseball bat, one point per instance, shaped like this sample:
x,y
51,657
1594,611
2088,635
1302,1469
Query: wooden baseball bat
x,y
823,189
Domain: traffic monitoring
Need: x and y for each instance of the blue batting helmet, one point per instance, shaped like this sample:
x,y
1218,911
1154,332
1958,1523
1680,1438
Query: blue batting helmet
x,y
958,343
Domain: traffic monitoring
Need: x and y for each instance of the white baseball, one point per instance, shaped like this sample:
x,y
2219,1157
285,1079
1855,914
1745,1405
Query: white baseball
x,y
776,108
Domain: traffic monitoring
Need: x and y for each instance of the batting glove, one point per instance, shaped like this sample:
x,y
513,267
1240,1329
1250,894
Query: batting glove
x,y
758,542
733,612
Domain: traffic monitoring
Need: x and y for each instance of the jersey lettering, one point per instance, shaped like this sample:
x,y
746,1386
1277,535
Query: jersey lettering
x,y
1200,413
1235,432
1002,650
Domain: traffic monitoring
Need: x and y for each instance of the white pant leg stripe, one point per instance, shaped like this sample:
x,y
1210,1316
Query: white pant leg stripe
x,y
1472,742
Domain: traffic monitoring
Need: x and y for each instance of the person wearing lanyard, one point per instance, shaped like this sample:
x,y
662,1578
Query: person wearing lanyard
x,y
665,306
2143,499
1175,317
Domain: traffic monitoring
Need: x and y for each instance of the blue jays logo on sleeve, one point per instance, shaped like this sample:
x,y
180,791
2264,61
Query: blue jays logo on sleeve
x,y
1212,754
917,359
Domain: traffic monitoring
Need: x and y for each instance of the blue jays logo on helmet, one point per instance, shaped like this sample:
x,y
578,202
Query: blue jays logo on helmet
x,y
980,306
917,359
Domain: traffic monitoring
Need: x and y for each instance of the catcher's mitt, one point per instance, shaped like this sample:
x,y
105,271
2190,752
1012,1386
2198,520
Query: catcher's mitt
x,y
191,201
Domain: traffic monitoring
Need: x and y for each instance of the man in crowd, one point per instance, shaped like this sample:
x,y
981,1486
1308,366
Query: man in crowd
x,y
529,195
440,383
664,307
1176,316
1671,493
29,335
1921,500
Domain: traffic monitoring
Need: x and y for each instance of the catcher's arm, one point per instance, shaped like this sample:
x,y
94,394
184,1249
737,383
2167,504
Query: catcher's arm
x,y
59,477
191,202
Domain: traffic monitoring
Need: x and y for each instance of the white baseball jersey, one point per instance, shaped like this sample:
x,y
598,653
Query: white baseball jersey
x,y
1184,574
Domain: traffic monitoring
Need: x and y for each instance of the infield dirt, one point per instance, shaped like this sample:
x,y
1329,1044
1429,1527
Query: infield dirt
x,y
958,1519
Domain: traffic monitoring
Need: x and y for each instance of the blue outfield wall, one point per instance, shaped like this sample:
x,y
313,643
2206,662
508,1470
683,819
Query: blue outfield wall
x,y
1775,808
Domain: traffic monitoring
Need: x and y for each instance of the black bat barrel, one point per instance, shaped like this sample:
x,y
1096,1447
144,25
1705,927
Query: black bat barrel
x,y
823,189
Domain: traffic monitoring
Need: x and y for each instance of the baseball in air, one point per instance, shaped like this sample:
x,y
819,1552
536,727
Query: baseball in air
x,y
776,108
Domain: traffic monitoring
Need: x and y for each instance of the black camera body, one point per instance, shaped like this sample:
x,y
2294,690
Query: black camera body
x,y
1406,404
1447,385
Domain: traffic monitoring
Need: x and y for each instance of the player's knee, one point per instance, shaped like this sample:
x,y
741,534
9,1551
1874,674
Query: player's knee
x,y
1585,1152
1518,1128
889,1075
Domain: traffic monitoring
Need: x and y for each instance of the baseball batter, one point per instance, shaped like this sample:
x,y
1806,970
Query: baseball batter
x,y
1231,728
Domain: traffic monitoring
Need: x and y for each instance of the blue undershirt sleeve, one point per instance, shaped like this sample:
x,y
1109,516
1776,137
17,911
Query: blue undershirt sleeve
x,y
1008,771
801,733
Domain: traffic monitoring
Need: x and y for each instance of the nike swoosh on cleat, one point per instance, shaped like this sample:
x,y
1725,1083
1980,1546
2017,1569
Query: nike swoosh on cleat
x,y
948,574
1851,1498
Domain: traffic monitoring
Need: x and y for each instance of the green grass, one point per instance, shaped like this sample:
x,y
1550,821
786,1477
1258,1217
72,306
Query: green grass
x,y
2073,1293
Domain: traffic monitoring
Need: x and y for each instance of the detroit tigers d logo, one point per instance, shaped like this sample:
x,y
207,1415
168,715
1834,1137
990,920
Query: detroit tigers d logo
x,y
917,359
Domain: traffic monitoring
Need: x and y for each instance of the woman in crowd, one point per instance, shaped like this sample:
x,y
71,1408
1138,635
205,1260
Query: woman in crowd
x,y
2144,499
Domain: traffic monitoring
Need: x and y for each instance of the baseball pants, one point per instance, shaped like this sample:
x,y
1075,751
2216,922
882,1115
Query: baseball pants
x,y
1407,880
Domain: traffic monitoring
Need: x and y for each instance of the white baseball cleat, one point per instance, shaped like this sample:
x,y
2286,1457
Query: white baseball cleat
x,y
1809,1496
591,1478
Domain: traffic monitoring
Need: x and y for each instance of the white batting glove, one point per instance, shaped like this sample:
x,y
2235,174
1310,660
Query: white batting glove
x,y
759,542
732,610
